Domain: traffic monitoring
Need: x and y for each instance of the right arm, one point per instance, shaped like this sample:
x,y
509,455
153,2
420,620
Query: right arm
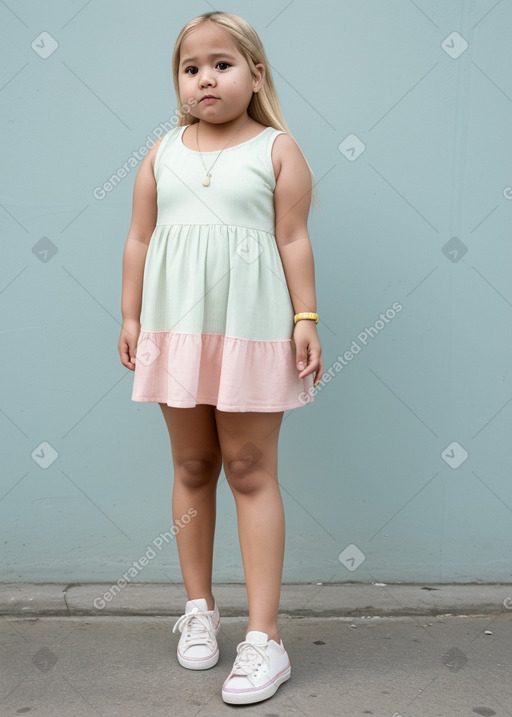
x,y
144,216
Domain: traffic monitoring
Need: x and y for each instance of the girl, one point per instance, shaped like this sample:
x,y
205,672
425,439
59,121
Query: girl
x,y
219,325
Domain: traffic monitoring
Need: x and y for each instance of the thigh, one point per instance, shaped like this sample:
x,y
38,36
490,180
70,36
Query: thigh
x,y
249,440
193,434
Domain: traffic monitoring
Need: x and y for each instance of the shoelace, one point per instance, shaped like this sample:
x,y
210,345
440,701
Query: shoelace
x,y
249,658
197,626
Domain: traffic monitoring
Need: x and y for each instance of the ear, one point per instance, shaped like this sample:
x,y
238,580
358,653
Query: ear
x,y
258,81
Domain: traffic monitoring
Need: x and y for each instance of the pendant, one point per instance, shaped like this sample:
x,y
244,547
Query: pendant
x,y
206,180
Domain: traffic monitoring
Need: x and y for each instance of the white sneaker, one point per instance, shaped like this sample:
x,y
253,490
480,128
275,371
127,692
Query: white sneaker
x,y
260,666
197,646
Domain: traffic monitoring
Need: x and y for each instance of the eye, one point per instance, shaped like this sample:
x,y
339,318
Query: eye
x,y
190,68
223,63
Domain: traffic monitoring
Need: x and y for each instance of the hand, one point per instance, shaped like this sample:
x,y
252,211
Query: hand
x,y
308,349
127,345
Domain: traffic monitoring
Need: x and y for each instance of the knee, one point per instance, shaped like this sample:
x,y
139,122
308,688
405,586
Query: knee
x,y
197,472
242,474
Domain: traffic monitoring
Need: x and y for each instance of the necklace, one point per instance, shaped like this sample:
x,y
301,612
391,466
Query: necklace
x,y
206,179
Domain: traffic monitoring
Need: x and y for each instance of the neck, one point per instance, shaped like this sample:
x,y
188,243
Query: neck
x,y
217,131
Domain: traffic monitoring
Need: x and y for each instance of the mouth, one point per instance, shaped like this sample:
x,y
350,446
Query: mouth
x,y
208,97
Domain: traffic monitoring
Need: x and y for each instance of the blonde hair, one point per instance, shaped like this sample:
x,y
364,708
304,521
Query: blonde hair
x,y
264,106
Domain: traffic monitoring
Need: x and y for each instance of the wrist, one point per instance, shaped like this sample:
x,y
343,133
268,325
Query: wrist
x,y
311,316
130,320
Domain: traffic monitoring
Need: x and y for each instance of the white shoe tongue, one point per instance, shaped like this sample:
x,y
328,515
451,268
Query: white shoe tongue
x,y
257,637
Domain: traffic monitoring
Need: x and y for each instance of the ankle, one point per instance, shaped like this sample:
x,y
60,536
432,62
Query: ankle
x,y
210,600
271,630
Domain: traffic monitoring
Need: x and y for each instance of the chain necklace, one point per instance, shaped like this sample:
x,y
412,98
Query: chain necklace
x,y
206,180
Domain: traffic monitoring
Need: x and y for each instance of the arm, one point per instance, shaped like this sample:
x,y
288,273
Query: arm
x,y
292,200
144,215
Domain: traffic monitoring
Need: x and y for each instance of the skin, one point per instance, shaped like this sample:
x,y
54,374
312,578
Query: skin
x,y
204,439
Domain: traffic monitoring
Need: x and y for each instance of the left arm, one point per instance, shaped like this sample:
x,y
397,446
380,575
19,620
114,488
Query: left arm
x,y
292,200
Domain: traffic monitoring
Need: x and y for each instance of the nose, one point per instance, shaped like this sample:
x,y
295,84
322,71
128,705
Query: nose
x,y
206,77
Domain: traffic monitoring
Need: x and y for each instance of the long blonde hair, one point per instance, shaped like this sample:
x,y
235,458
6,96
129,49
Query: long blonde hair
x,y
264,106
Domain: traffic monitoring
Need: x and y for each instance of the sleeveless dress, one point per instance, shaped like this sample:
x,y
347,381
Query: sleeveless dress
x,y
217,317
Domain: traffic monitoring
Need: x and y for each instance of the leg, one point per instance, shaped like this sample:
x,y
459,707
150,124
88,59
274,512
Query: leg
x,y
249,451
197,463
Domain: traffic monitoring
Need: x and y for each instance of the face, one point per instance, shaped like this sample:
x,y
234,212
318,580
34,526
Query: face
x,y
210,64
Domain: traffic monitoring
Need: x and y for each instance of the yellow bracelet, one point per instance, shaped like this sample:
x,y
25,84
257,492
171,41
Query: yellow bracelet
x,y
305,315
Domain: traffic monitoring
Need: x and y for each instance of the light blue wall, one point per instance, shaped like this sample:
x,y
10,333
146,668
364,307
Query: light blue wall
x,y
420,219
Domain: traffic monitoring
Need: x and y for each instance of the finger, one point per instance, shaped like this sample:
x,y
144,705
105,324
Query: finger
x,y
125,357
301,359
313,364
309,368
128,363
319,372
306,370
310,361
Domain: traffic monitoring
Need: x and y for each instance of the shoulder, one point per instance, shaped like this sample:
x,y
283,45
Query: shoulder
x,y
146,173
287,153
156,144
148,162
154,149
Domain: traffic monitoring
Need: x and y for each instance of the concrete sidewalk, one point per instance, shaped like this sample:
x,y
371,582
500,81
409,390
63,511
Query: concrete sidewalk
x,y
302,600
412,660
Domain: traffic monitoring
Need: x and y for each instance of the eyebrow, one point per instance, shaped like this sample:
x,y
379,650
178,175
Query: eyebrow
x,y
212,56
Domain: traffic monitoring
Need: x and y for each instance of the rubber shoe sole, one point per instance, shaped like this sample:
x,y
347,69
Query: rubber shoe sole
x,y
257,694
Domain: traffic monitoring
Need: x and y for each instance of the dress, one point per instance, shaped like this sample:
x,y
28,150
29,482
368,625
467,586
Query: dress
x,y
217,317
